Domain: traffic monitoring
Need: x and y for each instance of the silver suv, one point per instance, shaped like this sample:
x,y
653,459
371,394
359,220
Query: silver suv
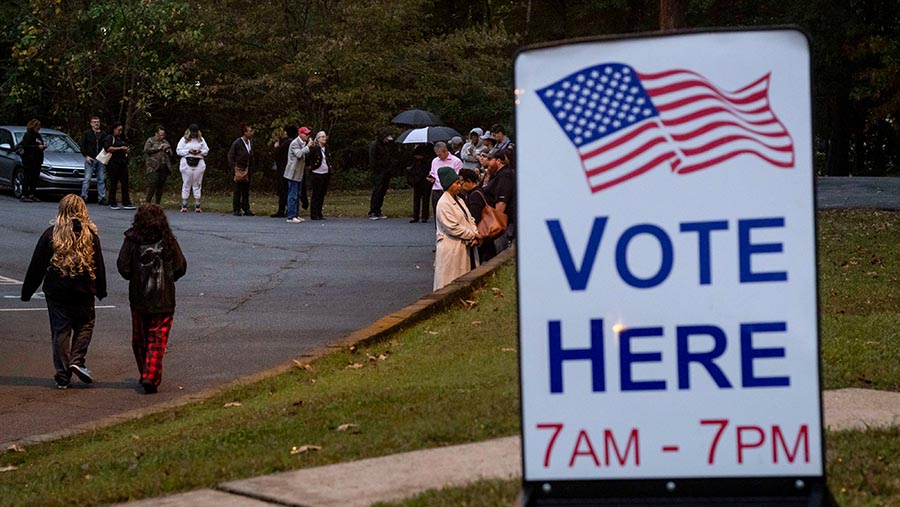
x,y
63,168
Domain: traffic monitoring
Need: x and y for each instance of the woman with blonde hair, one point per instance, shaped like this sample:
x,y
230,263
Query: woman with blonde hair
x,y
68,261
192,149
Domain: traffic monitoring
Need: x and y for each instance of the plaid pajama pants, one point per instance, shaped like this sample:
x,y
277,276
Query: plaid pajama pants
x,y
150,332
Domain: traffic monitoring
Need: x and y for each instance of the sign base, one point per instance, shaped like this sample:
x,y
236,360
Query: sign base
x,y
763,492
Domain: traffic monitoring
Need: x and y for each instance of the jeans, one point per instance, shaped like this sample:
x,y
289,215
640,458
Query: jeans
x,y
293,197
71,329
95,167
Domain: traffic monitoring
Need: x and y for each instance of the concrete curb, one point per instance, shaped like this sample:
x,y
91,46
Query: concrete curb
x,y
421,309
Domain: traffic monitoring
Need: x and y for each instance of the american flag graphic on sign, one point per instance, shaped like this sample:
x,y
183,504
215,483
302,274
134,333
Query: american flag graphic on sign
x,y
624,123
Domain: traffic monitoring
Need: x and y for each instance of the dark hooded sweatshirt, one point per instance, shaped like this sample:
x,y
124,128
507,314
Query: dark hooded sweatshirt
x,y
151,272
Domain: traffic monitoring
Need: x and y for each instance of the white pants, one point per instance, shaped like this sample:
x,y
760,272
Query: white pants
x,y
192,178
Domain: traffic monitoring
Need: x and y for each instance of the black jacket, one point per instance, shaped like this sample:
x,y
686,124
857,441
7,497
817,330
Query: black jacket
x,y
238,156
32,155
381,156
92,143
119,158
58,287
129,265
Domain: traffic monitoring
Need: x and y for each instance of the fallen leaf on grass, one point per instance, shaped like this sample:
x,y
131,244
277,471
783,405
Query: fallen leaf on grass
x,y
180,388
468,303
302,366
9,468
232,404
354,366
15,448
135,437
305,448
497,292
348,426
432,332
477,322
382,357
352,348
507,349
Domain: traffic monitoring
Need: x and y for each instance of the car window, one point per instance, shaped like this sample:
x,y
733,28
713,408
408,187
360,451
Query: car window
x,y
6,138
60,143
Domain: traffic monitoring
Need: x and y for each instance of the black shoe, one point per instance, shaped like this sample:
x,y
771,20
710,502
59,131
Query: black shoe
x,y
149,388
249,214
317,218
237,213
414,221
82,373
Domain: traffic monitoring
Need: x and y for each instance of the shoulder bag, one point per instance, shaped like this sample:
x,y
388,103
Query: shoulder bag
x,y
103,157
241,174
493,223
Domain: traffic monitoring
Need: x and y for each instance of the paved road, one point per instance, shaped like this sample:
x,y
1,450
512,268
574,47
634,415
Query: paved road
x,y
258,292
858,192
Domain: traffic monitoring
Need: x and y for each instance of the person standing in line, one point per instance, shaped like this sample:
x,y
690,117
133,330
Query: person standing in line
x,y
192,149
503,142
240,158
157,152
500,191
456,232
471,150
118,166
151,260
456,144
32,157
473,195
381,163
91,144
319,176
281,157
294,171
68,261
443,158
417,178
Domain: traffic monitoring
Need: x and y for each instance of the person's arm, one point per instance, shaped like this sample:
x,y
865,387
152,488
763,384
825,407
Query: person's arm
x,y
99,269
454,221
150,147
123,262
204,148
232,153
180,267
299,148
182,150
40,261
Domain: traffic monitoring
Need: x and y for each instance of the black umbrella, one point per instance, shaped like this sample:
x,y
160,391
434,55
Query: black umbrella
x,y
427,135
417,118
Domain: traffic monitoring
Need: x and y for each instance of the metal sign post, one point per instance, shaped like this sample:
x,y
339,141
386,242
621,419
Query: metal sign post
x,y
667,270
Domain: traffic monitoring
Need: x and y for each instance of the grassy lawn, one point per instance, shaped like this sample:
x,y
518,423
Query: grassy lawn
x,y
453,379
397,203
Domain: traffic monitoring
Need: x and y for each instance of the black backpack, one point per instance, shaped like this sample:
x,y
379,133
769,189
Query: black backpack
x,y
151,272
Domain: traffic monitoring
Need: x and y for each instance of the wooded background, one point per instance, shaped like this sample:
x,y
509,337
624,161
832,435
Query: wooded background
x,y
347,67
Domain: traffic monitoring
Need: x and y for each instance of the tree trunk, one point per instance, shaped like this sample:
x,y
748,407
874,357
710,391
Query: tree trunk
x,y
672,14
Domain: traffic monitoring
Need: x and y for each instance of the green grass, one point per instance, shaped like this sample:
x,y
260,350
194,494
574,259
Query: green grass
x,y
448,380
355,203
453,379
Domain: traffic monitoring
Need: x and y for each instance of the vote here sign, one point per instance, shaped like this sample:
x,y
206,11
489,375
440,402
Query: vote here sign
x,y
667,280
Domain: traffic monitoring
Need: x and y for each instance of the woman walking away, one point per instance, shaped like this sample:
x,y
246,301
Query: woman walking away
x,y
32,157
456,231
69,262
151,260
192,149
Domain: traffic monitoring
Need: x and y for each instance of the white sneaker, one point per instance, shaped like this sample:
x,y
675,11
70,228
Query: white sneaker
x,y
295,220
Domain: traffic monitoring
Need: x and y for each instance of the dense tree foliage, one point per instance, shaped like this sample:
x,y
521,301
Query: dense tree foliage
x,y
348,66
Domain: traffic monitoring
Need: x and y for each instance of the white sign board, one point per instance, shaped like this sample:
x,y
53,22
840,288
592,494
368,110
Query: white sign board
x,y
667,277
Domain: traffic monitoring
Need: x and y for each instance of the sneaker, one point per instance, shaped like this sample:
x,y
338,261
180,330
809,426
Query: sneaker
x,y
62,386
184,209
114,206
237,213
197,209
414,221
381,216
82,373
373,216
149,388
249,214
295,220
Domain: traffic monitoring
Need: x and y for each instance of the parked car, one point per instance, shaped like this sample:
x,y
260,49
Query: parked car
x,y
63,168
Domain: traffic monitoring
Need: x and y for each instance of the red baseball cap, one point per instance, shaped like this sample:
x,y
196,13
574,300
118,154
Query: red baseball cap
x,y
304,130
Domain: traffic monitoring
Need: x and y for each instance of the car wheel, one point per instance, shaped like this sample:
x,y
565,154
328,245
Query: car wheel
x,y
18,182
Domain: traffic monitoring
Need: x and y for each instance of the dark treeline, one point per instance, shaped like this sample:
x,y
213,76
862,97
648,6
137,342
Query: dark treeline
x,y
347,67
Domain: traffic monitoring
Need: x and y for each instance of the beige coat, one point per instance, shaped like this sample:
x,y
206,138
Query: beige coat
x,y
455,227
296,162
